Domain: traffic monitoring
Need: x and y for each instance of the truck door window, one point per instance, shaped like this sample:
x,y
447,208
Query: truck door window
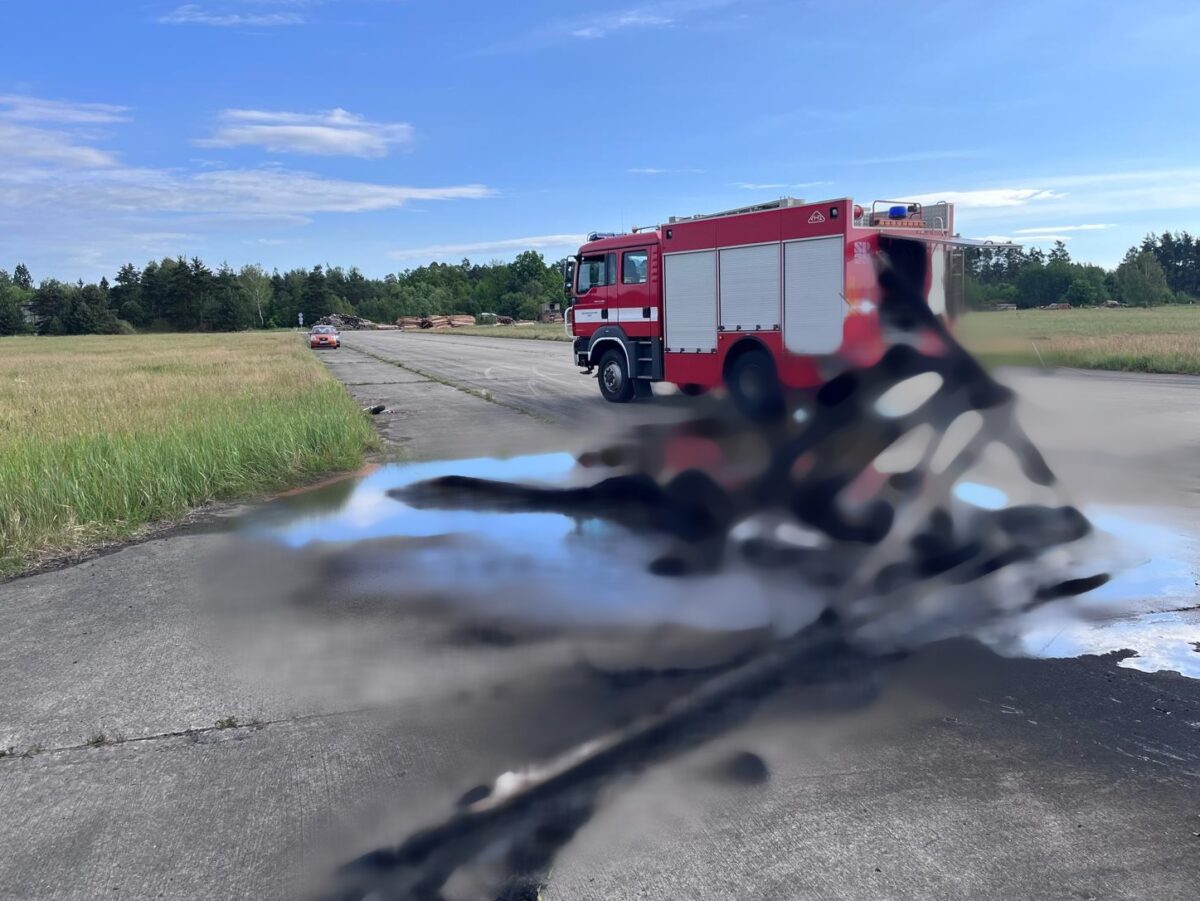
x,y
597,271
633,267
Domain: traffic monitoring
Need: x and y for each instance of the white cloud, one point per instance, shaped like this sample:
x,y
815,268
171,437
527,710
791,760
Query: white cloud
x,y
539,242
1063,228
334,132
919,156
65,202
988,198
603,26
778,185
195,14
653,170
1026,239
25,144
22,108
245,192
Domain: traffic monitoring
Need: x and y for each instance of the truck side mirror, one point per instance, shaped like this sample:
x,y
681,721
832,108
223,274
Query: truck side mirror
x,y
568,271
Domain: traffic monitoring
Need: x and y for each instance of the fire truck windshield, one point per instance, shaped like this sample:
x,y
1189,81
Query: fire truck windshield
x,y
593,273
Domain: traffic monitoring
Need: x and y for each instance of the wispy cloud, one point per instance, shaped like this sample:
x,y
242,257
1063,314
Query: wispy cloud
x,y
333,132
632,19
653,170
195,14
920,156
539,242
27,144
663,14
66,145
23,108
988,198
1063,228
778,185
262,192
1017,238
73,200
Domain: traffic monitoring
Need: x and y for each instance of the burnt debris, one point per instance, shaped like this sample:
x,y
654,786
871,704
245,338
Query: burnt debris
x,y
801,493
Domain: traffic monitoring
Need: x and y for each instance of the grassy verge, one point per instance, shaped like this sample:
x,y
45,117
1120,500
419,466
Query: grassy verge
x,y
1162,339
102,435
538,331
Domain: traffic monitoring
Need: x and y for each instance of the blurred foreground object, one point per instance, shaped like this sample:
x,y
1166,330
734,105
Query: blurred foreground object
x,y
855,494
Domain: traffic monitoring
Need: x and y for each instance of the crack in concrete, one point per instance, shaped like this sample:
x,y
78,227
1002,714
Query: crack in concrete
x,y
457,386
115,741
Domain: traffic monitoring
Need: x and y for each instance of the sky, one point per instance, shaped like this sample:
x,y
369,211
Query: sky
x,y
388,133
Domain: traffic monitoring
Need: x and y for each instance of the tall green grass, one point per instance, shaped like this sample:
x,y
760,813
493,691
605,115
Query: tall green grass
x,y
101,435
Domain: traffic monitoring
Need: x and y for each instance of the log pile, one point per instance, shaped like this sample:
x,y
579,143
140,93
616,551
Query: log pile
x,y
344,322
455,321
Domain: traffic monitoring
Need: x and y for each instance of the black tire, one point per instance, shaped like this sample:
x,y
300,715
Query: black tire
x,y
693,390
754,386
613,376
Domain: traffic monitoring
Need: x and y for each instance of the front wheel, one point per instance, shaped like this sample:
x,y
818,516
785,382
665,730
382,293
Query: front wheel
x,y
615,383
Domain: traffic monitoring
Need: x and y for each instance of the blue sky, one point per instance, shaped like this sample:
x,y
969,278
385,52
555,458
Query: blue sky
x,y
385,133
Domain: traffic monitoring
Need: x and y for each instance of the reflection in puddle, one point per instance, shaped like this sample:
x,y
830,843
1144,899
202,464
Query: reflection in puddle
x,y
542,568
1143,608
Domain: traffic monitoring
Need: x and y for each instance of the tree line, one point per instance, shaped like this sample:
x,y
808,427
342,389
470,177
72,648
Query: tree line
x,y
187,295
1162,269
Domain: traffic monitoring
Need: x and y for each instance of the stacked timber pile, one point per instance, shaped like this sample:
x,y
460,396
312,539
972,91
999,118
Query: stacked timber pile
x,y
455,321
344,322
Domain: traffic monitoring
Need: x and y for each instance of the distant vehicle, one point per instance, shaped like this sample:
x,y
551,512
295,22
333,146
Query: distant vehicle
x,y
748,297
324,336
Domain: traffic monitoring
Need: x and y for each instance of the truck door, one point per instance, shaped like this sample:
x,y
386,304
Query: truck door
x,y
635,305
596,275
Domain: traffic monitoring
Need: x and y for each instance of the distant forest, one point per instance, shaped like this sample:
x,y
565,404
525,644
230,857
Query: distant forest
x,y
187,295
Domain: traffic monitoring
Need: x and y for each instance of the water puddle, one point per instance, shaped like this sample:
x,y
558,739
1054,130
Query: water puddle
x,y
538,559
1150,606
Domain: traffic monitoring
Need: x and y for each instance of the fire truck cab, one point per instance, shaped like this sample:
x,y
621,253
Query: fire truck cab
x,y
768,294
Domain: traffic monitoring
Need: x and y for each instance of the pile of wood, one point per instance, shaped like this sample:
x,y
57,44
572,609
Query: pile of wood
x,y
344,322
456,321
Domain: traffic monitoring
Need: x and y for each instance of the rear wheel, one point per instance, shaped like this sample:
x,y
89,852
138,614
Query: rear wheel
x,y
615,383
754,385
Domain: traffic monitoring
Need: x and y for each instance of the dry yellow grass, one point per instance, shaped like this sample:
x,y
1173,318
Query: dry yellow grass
x,y
100,435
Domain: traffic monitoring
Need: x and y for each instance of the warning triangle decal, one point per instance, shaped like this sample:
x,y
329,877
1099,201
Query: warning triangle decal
x,y
815,217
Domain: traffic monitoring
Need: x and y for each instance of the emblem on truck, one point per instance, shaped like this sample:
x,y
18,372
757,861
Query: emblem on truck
x,y
816,217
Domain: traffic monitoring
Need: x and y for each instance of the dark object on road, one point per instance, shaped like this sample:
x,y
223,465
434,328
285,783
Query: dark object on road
x,y
805,494
746,768
375,410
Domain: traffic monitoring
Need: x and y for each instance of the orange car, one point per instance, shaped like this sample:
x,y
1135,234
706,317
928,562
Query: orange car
x,y
324,336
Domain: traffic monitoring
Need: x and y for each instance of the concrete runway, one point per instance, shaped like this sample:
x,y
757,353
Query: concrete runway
x,y
968,776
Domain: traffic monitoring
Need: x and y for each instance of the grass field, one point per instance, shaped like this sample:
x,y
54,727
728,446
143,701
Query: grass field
x,y
1162,339
101,435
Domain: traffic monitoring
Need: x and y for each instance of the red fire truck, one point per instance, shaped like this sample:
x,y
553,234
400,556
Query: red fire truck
x,y
748,298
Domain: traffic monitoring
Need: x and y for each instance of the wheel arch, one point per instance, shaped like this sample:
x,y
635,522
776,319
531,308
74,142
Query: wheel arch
x,y
743,346
602,342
